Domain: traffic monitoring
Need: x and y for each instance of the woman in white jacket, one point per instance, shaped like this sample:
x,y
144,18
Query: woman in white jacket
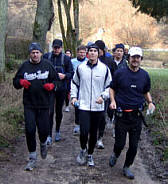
x,y
91,80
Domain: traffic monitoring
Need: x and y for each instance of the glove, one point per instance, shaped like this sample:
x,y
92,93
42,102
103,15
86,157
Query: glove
x,y
49,86
25,83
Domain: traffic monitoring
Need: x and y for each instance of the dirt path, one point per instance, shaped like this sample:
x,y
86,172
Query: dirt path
x,y
60,167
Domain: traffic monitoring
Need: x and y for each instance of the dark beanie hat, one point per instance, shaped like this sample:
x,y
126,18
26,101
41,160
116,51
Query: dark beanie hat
x,y
93,46
35,46
120,45
100,44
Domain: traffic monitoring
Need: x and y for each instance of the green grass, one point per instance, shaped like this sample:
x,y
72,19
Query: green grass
x,y
159,91
11,111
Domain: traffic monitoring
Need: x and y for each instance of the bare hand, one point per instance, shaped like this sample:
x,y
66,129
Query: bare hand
x,y
112,105
100,100
151,107
61,76
73,101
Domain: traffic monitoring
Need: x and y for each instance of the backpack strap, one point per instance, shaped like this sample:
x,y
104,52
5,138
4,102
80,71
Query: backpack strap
x,y
107,72
49,56
62,59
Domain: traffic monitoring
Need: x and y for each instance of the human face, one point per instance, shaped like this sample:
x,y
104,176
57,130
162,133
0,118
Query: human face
x,y
35,56
134,62
81,54
119,53
57,50
126,51
93,55
68,53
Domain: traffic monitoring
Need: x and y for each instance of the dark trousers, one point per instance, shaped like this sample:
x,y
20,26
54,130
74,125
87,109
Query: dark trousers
x,y
76,116
51,112
102,125
58,99
89,122
130,123
67,97
103,121
59,102
33,118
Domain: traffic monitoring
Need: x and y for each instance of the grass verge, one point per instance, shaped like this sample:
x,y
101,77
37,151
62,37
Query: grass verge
x,y
11,111
158,123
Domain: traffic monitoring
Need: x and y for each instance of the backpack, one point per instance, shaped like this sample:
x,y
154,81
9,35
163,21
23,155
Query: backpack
x,y
62,60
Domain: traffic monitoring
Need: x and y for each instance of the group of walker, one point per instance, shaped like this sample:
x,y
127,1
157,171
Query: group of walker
x,y
100,83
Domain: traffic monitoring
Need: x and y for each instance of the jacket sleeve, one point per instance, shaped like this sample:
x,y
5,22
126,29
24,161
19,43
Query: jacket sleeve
x,y
18,76
53,78
68,68
75,84
105,93
45,56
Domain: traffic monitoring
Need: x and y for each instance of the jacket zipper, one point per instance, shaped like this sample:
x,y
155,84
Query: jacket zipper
x,y
91,91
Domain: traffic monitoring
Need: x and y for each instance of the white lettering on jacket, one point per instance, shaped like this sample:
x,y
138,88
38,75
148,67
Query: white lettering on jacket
x,y
37,75
133,86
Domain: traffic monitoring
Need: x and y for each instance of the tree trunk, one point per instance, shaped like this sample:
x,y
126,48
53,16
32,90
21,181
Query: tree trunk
x,y
43,21
3,26
71,37
61,23
69,32
76,19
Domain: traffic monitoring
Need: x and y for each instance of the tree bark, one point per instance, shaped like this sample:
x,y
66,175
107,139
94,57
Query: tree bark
x,y
76,18
69,30
3,26
43,21
61,23
71,37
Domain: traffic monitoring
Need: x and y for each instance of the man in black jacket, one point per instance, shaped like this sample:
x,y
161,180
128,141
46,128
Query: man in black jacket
x,y
107,60
38,78
63,66
118,59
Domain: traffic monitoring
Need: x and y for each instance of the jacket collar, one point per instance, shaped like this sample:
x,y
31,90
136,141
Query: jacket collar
x,y
90,65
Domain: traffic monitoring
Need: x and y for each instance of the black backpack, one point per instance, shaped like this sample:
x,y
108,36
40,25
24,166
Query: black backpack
x,y
60,85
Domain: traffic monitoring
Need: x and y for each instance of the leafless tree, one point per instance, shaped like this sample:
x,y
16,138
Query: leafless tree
x,y
43,20
3,26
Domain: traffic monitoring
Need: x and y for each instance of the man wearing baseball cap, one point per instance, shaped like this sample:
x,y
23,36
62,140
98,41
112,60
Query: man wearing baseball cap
x,y
63,66
38,78
128,92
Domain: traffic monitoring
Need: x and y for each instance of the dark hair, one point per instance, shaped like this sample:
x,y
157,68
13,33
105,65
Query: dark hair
x,y
100,44
68,50
81,47
93,46
120,45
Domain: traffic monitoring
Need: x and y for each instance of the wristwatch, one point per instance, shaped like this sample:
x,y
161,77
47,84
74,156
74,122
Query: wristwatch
x,y
151,102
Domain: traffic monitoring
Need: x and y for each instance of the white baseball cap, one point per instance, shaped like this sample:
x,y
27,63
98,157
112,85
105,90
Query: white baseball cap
x,y
135,51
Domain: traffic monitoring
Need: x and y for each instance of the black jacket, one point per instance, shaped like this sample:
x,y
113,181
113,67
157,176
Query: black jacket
x,y
65,67
122,64
38,75
108,61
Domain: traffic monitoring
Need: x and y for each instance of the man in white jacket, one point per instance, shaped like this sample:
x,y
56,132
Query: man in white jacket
x,y
91,81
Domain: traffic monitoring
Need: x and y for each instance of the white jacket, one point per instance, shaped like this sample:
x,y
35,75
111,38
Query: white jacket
x,y
91,82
